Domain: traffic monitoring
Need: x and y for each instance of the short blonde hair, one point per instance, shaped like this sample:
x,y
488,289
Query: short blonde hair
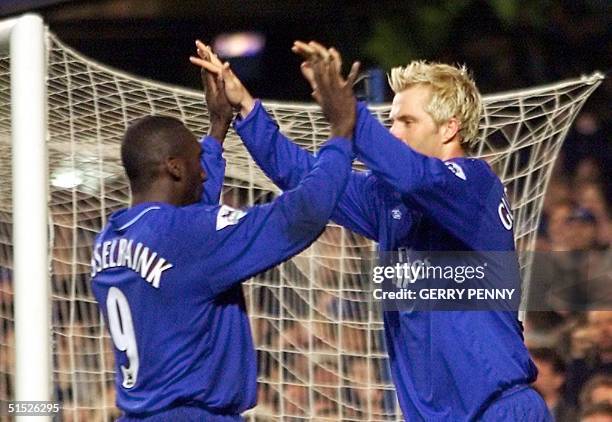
x,y
453,94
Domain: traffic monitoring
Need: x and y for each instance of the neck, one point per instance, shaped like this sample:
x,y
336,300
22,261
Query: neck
x,y
451,150
159,192
143,198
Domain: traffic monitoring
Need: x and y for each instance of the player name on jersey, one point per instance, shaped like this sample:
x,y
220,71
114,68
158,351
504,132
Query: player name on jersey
x,y
122,252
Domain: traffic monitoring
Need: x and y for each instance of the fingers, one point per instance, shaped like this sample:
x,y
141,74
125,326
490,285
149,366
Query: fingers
x,y
219,84
321,75
308,74
322,68
311,51
226,71
207,60
327,72
314,51
203,54
210,81
333,74
320,51
206,65
302,49
336,58
352,76
204,49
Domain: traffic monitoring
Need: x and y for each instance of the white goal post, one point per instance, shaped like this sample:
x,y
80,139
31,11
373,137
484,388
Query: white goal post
x,y
321,354
24,38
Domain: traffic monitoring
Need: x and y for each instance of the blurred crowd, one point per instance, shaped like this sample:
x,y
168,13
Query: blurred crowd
x,y
568,328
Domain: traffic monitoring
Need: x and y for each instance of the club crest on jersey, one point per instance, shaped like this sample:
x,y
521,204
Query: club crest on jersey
x,y
228,216
456,169
505,213
396,214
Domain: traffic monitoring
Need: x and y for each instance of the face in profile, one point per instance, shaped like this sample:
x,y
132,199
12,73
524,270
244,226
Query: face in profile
x,y
196,175
192,174
412,124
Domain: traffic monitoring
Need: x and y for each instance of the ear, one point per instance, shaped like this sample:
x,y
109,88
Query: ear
x,y
175,168
450,129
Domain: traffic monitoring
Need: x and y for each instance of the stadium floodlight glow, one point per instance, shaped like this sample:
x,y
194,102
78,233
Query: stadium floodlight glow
x,y
24,38
67,178
239,44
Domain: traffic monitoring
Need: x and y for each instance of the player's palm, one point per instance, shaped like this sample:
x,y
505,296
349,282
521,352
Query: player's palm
x,y
322,69
235,92
216,99
308,74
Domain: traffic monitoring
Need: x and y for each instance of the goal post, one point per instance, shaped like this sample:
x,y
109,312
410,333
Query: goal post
x,y
24,39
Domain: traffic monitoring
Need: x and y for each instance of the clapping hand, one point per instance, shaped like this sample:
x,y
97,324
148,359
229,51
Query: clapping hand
x,y
322,69
236,93
219,108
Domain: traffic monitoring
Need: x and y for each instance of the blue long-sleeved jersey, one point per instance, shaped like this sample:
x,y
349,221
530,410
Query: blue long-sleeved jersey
x,y
446,366
167,280
213,163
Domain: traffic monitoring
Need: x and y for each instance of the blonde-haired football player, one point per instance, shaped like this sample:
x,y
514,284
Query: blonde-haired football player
x,y
467,362
443,97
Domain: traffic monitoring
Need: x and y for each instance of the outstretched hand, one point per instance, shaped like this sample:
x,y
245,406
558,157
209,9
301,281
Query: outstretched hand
x,y
220,110
236,94
322,69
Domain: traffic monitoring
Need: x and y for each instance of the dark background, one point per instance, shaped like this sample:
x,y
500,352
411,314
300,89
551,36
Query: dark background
x,y
506,43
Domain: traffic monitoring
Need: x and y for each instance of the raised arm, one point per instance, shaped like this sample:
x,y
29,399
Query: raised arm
x,y
445,190
395,163
244,243
284,162
213,163
281,160
440,189
220,114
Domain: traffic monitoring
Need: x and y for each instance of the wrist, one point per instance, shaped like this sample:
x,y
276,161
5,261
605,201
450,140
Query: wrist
x,y
342,131
218,129
221,120
247,105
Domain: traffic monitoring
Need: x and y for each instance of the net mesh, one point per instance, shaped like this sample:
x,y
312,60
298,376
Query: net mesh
x,y
319,342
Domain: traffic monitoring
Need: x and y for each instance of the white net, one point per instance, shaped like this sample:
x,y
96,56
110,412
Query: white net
x,y
320,346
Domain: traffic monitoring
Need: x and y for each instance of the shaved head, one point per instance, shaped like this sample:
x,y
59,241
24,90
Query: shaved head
x,y
148,143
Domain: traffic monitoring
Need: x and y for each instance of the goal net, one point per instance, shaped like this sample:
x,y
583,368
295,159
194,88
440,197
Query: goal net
x,y
320,346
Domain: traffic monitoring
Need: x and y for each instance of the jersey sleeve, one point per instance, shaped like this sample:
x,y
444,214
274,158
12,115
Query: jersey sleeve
x,y
244,243
280,159
439,189
213,163
286,164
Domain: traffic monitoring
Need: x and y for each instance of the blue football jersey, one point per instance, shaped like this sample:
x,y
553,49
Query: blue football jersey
x,y
213,163
446,365
167,280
